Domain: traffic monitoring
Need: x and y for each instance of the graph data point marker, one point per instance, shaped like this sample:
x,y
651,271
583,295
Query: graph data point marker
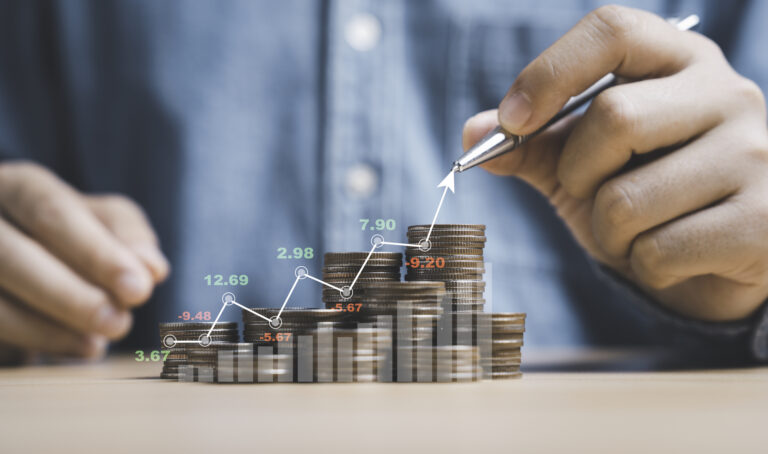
x,y
169,341
346,292
377,241
425,245
301,272
227,298
204,340
275,322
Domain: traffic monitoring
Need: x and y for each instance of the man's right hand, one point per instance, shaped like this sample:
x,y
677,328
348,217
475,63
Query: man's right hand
x,y
71,265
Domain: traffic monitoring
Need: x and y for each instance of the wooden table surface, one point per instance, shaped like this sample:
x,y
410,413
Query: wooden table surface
x,y
118,406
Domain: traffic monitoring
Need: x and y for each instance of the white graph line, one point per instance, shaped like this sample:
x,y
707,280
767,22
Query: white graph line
x,y
323,282
216,321
352,285
389,243
252,312
448,183
290,292
434,219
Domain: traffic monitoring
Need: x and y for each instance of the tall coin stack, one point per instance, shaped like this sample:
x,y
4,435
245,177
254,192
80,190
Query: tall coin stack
x,y
189,334
340,269
454,256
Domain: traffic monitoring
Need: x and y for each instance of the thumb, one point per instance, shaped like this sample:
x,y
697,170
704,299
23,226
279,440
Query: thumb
x,y
535,162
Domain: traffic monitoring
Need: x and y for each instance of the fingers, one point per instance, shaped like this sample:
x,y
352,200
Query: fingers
x,y
56,216
33,275
633,118
662,190
535,162
130,226
24,328
701,255
477,126
630,43
717,299
702,244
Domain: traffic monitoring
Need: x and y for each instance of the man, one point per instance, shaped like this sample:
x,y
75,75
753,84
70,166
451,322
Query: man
x,y
243,127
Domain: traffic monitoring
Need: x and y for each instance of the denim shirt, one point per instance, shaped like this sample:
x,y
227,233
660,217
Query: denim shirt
x,y
243,127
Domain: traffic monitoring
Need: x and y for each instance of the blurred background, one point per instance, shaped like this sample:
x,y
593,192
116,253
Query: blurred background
x,y
243,127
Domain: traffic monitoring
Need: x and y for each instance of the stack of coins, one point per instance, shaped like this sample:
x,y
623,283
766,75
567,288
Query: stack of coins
x,y
235,362
411,311
429,328
500,352
179,336
340,269
349,355
454,255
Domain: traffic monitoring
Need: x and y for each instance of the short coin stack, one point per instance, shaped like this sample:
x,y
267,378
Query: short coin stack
x,y
339,350
341,268
179,336
503,356
236,362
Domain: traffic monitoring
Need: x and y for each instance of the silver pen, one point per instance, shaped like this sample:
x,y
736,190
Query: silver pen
x,y
498,141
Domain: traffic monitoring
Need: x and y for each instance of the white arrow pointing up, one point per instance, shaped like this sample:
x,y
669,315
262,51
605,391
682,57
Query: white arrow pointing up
x,y
448,182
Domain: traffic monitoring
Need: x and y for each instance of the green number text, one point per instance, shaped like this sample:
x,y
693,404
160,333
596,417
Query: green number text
x,y
295,253
232,279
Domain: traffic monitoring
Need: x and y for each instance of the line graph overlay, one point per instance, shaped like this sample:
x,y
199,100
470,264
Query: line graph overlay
x,y
360,271
389,243
250,310
223,306
325,283
301,272
290,292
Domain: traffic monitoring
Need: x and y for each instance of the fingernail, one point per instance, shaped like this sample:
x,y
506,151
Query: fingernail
x,y
133,287
112,322
514,111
